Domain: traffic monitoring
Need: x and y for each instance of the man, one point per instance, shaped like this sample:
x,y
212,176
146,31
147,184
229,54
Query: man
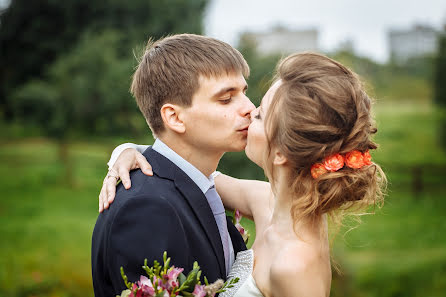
x,y
191,91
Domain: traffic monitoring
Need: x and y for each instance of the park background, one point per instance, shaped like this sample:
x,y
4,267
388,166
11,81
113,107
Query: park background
x,y
65,70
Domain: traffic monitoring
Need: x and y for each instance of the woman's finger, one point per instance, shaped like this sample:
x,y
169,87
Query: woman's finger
x,y
110,184
125,177
102,198
141,162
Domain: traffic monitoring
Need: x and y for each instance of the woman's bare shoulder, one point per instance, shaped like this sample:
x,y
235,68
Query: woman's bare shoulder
x,y
300,271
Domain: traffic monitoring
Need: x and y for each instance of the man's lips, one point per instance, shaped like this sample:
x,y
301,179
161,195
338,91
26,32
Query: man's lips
x,y
245,128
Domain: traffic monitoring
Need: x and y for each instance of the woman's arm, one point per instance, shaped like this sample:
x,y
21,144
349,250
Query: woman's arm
x,y
120,148
251,197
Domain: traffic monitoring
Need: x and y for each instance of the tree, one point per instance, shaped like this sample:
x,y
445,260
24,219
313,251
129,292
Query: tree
x,y
440,73
85,92
440,86
33,34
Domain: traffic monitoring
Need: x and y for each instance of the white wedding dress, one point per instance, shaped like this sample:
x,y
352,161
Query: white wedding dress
x,y
242,268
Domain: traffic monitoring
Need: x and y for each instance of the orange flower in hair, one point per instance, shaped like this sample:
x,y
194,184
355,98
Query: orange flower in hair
x,y
367,158
317,170
354,159
334,162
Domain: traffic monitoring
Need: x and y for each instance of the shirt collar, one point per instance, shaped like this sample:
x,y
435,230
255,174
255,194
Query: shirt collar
x,y
203,182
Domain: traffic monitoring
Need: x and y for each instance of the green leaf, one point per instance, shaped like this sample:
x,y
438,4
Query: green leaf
x,y
160,294
191,280
125,293
124,277
181,279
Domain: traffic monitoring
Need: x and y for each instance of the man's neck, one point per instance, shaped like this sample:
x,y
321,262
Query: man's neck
x,y
204,161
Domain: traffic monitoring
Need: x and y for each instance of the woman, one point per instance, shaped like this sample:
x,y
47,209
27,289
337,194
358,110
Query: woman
x,y
312,136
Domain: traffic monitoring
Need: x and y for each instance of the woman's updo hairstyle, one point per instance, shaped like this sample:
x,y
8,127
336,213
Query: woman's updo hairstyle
x,y
320,109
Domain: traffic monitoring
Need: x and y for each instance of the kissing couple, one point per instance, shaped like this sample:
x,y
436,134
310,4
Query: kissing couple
x,y
311,135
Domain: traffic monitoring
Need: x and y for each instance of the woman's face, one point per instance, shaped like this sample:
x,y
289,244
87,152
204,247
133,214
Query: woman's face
x,y
257,142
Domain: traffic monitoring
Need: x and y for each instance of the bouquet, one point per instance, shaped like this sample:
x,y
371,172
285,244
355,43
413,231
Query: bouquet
x,y
169,281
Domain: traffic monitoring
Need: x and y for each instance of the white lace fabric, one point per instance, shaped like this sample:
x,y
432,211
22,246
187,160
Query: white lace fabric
x,y
242,268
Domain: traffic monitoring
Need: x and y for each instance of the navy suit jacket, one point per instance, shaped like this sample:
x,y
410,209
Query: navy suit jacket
x,y
163,212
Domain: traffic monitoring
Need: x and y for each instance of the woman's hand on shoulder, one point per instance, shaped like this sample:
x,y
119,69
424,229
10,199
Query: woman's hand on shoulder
x,y
128,160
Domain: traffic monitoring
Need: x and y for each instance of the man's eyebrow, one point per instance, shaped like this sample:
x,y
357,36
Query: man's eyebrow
x,y
228,90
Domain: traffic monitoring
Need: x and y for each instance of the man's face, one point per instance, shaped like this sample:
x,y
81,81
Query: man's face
x,y
219,117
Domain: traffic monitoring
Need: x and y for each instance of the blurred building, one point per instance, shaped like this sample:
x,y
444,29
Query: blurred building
x,y
281,40
415,42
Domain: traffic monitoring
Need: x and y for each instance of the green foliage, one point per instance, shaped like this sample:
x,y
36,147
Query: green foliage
x,y
391,82
86,90
440,73
35,34
440,88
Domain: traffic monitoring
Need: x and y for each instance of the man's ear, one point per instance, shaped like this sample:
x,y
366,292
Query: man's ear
x,y
170,113
279,158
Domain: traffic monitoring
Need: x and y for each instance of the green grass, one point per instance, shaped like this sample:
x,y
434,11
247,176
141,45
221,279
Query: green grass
x,y
46,223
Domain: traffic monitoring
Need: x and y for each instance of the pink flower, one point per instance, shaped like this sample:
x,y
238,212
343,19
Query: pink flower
x,y
146,287
243,232
159,283
172,276
240,229
238,216
174,272
199,291
134,290
334,162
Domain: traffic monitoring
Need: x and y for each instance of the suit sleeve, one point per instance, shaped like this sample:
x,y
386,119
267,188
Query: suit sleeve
x,y
145,228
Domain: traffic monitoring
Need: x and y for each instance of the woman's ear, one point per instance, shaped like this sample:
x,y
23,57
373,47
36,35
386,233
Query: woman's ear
x,y
279,158
170,113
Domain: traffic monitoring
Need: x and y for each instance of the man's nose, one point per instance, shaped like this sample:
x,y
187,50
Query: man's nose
x,y
248,107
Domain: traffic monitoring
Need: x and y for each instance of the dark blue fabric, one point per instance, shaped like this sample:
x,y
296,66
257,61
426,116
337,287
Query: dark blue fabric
x,y
164,212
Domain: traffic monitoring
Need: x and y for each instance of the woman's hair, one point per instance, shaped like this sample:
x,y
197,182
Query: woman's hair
x,y
320,109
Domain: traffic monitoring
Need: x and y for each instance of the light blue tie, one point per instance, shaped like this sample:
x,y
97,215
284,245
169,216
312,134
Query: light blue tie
x,y
218,211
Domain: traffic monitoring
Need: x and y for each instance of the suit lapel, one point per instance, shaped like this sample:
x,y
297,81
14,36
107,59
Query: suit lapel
x,y
202,210
164,168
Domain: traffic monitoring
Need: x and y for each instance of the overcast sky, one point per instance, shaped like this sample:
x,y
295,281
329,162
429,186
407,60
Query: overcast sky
x,y
364,22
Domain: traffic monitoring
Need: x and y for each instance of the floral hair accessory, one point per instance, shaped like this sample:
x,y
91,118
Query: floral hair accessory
x,y
354,159
334,162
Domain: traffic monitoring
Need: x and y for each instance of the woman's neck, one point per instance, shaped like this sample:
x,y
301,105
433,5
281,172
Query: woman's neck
x,y
282,220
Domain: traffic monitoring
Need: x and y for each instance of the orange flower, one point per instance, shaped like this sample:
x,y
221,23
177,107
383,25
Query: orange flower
x,y
334,162
367,158
317,170
354,159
